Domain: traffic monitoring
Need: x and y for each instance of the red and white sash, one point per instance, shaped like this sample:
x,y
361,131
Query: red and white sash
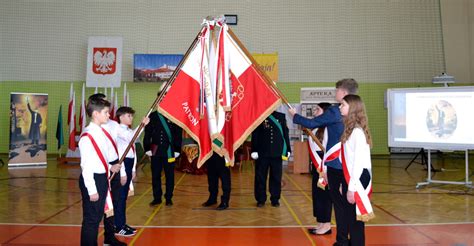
x,y
111,140
131,189
332,153
316,160
109,197
109,207
362,196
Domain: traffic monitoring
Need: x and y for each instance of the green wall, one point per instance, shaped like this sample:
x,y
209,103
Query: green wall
x,y
143,94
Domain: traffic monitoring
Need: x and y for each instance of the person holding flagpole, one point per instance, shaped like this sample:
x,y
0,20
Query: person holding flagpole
x,y
162,142
270,146
356,164
332,120
217,169
322,204
124,137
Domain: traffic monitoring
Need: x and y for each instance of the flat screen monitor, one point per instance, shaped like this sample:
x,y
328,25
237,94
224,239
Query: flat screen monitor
x,y
439,118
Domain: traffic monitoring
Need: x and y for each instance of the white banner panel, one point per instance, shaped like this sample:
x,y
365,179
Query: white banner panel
x,y
104,62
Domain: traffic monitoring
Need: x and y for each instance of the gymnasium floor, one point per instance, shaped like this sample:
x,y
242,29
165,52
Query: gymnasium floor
x,y
42,206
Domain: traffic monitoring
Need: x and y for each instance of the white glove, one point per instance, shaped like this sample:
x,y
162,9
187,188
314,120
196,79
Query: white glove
x,y
289,153
254,155
148,153
176,154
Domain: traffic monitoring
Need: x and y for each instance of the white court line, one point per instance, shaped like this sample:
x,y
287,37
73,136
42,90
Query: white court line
x,y
244,227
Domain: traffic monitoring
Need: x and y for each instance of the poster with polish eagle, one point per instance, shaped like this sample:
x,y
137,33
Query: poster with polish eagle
x,y
104,62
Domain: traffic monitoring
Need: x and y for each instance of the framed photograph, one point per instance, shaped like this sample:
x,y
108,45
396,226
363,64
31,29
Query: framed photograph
x,y
28,128
154,67
231,19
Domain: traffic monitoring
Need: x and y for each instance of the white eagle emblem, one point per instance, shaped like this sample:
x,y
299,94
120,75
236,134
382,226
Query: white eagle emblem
x,y
104,61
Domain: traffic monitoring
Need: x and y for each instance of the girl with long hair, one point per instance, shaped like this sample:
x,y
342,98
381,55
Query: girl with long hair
x,y
356,164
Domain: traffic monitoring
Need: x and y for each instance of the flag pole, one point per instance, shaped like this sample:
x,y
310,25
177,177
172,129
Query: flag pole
x,y
160,97
272,85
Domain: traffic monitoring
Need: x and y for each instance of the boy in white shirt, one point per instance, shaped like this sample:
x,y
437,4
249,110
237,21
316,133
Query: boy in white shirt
x,y
110,127
128,171
93,181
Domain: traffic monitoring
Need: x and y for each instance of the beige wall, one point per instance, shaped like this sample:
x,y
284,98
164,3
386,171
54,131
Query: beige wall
x,y
458,23
373,41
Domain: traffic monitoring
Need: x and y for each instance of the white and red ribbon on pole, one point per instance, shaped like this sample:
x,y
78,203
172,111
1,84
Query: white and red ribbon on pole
x,y
316,159
82,110
71,119
125,95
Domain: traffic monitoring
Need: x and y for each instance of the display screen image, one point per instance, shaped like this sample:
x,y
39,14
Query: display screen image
x,y
431,118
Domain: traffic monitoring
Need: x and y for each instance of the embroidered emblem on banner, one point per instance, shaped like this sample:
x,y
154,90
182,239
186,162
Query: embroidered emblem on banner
x,y
237,95
104,60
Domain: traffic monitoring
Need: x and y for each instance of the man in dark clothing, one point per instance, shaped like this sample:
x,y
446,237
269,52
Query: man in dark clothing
x,y
216,168
35,124
270,145
162,142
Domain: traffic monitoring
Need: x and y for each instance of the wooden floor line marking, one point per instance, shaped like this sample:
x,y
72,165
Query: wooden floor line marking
x,y
140,231
303,228
387,212
133,204
299,188
48,218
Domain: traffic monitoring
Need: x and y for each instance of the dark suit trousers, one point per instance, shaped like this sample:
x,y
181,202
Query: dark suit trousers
x,y
92,212
345,212
216,169
120,210
322,203
262,166
158,163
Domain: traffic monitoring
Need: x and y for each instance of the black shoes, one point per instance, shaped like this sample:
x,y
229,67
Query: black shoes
x,y
222,206
130,228
114,242
209,203
155,202
169,202
124,232
260,204
276,204
312,231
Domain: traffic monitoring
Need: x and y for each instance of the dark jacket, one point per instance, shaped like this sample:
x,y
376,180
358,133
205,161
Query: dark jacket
x,y
155,134
34,125
332,120
267,140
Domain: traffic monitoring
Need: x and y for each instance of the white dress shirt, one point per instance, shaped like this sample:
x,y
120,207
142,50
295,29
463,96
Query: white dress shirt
x,y
90,161
124,136
357,155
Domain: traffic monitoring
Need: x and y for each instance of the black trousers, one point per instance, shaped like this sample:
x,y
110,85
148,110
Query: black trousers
x,y
120,209
158,163
350,231
216,169
322,203
92,212
262,166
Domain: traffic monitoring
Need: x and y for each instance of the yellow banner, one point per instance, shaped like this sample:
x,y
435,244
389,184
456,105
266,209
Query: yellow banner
x,y
268,63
